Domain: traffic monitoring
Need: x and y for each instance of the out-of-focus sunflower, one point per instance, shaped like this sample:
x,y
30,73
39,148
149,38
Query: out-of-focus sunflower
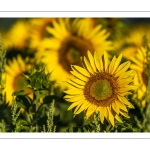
x,y
139,59
17,36
38,30
69,40
101,86
15,79
132,41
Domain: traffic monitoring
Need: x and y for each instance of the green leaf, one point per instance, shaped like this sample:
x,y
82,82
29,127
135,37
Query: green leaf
x,y
23,101
21,122
17,93
49,99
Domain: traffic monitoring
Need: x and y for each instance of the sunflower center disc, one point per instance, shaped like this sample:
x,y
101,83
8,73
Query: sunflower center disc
x,y
73,55
20,82
101,90
71,49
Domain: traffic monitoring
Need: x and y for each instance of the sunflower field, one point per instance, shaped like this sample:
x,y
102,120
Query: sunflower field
x,y
74,75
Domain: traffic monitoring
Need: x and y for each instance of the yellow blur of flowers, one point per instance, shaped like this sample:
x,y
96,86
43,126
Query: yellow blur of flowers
x,y
15,79
101,85
17,36
38,30
132,41
69,40
139,60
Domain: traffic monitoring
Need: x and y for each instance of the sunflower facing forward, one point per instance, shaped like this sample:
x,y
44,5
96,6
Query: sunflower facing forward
x,y
101,86
69,39
15,79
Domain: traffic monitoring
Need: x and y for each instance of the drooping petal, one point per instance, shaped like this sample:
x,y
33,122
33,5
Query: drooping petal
x,y
111,117
118,118
121,105
125,101
75,104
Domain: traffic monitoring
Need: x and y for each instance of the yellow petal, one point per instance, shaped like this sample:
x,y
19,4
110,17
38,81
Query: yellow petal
x,y
91,59
94,31
78,81
111,66
75,104
101,110
115,107
83,107
125,93
122,70
124,114
97,62
111,117
125,75
73,98
80,70
124,82
101,64
79,76
88,66
139,63
117,63
74,91
106,113
125,101
75,84
91,110
118,118
121,105
106,61
137,68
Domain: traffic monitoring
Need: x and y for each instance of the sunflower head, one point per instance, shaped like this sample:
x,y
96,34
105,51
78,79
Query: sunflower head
x,y
139,61
18,34
101,86
15,79
132,40
70,39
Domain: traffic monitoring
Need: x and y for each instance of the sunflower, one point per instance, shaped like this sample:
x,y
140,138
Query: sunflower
x,y
100,86
38,31
69,40
132,40
17,36
139,60
15,79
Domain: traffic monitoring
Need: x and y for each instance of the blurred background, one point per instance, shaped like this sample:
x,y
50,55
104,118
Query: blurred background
x,y
58,43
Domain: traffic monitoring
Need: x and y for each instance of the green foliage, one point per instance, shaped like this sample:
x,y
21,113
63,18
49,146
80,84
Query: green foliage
x,y
37,79
2,68
38,111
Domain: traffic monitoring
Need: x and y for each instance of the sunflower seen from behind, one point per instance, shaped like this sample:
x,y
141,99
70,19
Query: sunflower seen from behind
x,y
101,86
69,40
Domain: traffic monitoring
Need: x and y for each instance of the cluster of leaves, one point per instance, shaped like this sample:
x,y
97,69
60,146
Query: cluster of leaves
x,y
32,114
